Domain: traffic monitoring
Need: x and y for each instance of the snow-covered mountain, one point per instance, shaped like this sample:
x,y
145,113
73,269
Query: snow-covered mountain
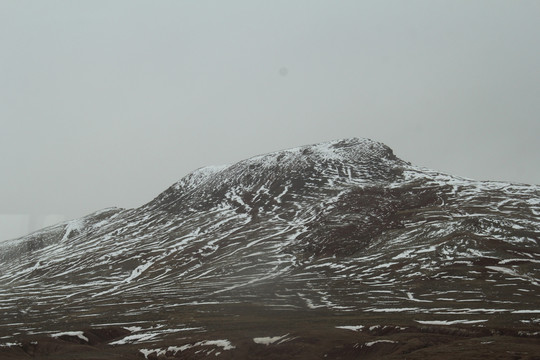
x,y
343,228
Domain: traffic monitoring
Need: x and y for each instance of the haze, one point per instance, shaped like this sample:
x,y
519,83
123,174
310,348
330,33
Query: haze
x,y
108,103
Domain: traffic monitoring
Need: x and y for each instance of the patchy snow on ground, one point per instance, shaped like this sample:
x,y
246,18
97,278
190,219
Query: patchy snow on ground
x,y
371,343
133,328
269,340
135,338
78,334
224,344
353,328
448,322
10,344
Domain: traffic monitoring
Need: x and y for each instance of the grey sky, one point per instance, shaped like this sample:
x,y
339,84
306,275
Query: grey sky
x,y
107,103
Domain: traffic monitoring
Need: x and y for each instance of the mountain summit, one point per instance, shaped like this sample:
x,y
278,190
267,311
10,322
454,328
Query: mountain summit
x,y
297,169
323,234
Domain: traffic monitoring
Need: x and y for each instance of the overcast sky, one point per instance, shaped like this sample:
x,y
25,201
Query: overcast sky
x,y
107,103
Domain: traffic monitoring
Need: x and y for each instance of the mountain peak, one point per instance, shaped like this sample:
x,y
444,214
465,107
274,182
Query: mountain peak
x,y
352,149
313,167
342,230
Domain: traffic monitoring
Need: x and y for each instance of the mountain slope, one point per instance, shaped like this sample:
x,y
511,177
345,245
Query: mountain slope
x,y
344,228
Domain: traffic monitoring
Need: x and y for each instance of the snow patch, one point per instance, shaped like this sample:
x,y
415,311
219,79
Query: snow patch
x,y
138,271
353,328
133,328
411,297
269,340
371,343
73,226
224,344
448,322
78,334
404,255
136,338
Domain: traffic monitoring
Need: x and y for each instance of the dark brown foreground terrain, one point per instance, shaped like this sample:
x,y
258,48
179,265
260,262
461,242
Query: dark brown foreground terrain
x,y
251,332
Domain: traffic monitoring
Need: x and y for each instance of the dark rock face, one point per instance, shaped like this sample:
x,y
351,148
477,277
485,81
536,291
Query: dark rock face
x,y
360,215
295,242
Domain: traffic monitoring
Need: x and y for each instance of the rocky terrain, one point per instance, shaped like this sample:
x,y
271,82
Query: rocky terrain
x,y
338,250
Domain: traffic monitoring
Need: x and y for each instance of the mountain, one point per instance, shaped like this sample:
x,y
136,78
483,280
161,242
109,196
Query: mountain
x,y
334,250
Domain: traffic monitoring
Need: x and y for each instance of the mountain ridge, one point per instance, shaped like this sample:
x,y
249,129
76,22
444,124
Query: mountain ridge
x,y
342,228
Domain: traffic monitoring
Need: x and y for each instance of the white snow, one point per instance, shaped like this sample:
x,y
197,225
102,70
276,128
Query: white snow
x,y
371,343
427,250
394,309
505,261
411,297
512,272
211,169
269,340
404,255
224,344
309,303
147,352
138,271
135,338
278,198
71,226
133,328
148,334
448,322
352,327
385,265
78,334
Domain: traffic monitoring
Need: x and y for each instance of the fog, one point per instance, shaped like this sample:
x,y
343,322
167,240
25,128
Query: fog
x,y
108,103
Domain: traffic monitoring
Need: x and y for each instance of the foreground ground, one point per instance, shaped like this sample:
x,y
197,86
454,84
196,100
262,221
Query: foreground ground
x,y
250,331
